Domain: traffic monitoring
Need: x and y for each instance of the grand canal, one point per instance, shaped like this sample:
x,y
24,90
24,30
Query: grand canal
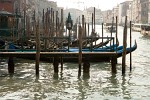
x,y
100,85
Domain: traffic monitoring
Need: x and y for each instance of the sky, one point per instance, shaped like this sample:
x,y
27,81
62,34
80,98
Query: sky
x,y
81,4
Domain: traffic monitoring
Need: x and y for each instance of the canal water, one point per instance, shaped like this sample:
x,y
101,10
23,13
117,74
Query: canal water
x,y
100,85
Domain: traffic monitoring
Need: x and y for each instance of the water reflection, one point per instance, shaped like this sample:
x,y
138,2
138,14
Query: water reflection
x,y
125,92
55,76
86,76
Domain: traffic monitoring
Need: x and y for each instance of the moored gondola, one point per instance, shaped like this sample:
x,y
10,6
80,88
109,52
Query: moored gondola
x,y
128,50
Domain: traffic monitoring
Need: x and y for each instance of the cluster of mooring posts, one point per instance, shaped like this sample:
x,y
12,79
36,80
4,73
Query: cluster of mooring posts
x,y
60,55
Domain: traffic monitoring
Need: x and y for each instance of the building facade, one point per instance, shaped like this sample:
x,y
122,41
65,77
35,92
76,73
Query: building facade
x,y
137,11
123,8
88,15
107,16
143,12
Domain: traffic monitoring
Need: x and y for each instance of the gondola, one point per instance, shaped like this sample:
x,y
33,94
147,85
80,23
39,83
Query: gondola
x,y
128,50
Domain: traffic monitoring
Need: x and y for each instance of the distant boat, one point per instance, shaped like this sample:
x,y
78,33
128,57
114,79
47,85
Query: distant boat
x,y
145,29
111,29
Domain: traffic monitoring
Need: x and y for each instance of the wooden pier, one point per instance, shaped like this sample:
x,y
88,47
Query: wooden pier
x,y
53,57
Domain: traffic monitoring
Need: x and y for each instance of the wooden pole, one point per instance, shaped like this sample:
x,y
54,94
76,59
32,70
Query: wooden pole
x,y
49,27
61,58
56,64
46,28
92,25
44,31
28,26
88,29
69,41
112,29
37,49
85,30
56,23
92,34
62,28
83,26
51,22
43,21
80,50
62,23
124,47
113,64
94,19
116,35
116,31
58,27
24,22
11,65
102,33
130,46
47,23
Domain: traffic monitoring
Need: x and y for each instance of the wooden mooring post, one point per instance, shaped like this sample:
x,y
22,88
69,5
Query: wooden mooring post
x,y
80,50
61,31
11,65
113,64
56,64
130,45
86,64
88,29
102,33
116,35
85,32
38,45
124,47
61,61
111,29
92,22
94,19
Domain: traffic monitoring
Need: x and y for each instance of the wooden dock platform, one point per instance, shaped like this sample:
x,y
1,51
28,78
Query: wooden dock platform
x,y
60,57
67,56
